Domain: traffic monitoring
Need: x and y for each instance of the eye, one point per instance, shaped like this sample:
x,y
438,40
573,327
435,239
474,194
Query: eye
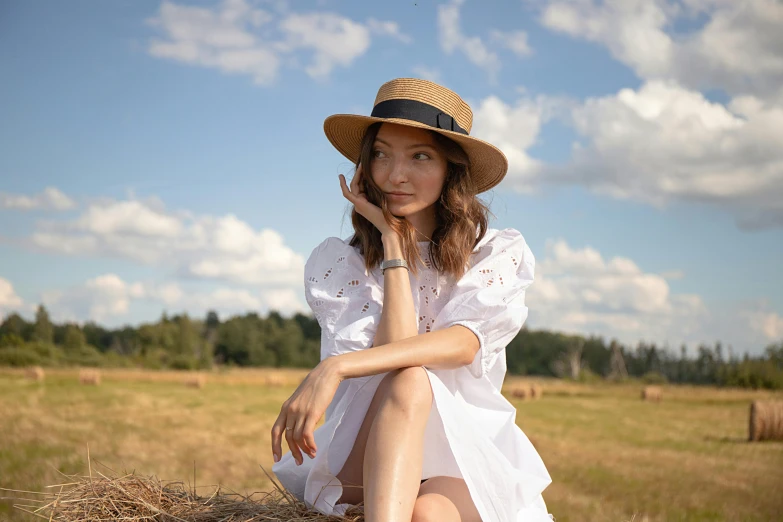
x,y
378,154
421,156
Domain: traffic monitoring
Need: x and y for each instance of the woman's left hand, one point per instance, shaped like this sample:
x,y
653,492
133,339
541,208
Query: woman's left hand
x,y
303,410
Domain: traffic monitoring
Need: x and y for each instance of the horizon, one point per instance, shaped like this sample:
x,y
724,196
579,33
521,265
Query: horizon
x,y
154,154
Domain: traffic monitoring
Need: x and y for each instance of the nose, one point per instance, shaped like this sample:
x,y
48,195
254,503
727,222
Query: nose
x,y
398,173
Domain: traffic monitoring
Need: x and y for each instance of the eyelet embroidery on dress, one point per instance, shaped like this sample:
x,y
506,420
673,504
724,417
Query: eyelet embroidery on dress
x,y
426,322
331,286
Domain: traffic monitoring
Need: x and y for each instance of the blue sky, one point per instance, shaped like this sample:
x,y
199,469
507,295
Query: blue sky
x,y
170,156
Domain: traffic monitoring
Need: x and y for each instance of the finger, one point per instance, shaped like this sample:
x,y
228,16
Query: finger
x,y
357,186
307,435
346,193
289,438
298,430
358,177
355,182
277,433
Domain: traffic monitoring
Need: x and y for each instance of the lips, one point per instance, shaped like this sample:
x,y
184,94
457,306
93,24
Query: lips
x,y
398,194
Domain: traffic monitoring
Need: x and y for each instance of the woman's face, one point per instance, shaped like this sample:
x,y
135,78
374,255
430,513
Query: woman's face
x,y
408,168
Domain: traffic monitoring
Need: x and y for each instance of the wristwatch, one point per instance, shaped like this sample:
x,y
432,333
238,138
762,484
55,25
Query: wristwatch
x,y
391,263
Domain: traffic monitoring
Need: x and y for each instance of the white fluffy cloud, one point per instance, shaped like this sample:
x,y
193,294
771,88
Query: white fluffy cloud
x,y
658,144
766,323
664,142
739,48
427,73
49,199
205,247
453,39
388,29
108,299
237,38
514,128
333,39
577,290
515,41
9,301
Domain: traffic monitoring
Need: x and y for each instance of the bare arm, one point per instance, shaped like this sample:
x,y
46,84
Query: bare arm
x,y
448,348
398,317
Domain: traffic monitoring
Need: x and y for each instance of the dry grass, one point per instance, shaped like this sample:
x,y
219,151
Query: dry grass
x,y
612,457
131,498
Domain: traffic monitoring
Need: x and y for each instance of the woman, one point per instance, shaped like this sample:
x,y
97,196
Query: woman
x,y
416,427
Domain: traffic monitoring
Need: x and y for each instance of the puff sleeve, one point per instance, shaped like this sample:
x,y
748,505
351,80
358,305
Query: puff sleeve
x,y
489,299
345,299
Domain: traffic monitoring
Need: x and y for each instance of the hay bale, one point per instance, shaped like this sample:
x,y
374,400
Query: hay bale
x,y
520,391
275,379
652,393
136,498
196,381
766,420
89,376
35,373
536,391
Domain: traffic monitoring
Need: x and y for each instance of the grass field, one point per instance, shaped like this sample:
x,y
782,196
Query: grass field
x,y
612,457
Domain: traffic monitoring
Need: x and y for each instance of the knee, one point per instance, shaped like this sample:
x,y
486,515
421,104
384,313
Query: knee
x,y
408,388
434,508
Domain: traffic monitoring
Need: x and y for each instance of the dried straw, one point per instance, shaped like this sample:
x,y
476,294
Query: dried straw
x,y
98,497
196,381
35,373
652,393
89,376
520,391
525,391
536,391
766,420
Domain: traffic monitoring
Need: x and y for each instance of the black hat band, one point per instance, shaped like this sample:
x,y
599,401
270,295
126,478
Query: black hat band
x,y
417,111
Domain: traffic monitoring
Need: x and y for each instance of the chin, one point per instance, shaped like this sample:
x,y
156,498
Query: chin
x,y
401,211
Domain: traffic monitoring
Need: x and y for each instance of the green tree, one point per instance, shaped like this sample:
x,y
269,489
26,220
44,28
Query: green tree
x,y
74,339
15,324
43,331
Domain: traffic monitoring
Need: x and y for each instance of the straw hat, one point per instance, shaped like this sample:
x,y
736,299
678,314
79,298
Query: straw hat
x,y
426,105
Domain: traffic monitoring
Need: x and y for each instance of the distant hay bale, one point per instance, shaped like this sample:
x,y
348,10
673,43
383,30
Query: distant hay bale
x,y
90,377
520,391
196,381
766,420
525,390
652,393
35,373
536,392
275,379
136,498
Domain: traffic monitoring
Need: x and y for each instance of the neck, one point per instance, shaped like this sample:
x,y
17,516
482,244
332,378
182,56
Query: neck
x,y
424,223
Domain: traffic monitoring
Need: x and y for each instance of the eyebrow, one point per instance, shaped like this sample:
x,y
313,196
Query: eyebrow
x,y
414,146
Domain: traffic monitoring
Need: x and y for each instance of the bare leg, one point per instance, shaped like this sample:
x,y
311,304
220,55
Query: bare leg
x,y
395,444
445,499
409,391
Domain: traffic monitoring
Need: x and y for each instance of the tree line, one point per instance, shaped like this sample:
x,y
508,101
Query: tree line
x,y
182,342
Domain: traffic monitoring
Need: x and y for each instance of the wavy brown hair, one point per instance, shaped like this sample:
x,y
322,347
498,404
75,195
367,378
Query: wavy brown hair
x,y
461,218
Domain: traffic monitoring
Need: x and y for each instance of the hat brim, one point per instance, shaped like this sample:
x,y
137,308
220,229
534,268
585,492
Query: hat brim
x,y
488,165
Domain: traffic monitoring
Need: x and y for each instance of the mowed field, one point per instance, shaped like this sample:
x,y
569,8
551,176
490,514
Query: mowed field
x,y
612,457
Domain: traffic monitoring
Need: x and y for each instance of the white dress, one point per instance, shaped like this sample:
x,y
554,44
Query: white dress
x,y
471,432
